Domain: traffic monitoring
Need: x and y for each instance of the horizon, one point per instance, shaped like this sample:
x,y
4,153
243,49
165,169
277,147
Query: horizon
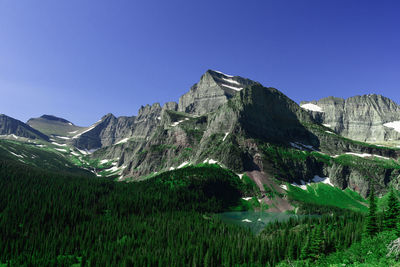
x,y
81,61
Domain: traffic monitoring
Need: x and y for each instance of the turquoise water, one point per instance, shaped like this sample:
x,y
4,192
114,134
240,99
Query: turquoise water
x,y
255,220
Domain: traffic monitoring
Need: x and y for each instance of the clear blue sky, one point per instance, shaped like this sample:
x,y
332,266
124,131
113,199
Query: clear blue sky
x,y
81,59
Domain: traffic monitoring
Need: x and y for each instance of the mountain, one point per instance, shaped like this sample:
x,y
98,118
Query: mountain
x,y
213,90
256,130
245,127
13,128
367,118
111,130
55,126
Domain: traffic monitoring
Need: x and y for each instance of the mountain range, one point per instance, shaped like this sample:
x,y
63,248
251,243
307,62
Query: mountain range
x,y
239,124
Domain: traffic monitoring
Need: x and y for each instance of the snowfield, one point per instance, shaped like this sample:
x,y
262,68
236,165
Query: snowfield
x,y
312,107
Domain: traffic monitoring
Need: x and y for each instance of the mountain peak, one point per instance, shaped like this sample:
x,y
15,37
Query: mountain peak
x,y
54,118
213,90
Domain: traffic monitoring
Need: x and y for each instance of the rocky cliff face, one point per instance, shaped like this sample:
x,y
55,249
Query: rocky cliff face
x,y
213,90
111,130
10,126
371,118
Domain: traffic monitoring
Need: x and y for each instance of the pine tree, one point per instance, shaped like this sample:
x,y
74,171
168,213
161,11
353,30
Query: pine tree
x,y
391,216
372,226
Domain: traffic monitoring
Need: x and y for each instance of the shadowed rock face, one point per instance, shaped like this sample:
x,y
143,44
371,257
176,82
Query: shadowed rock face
x,y
360,117
10,126
213,90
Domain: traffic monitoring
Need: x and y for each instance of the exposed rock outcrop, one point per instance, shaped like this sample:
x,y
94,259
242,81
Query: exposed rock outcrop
x,y
213,90
365,118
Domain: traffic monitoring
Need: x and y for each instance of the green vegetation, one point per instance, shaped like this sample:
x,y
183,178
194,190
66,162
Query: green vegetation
x,y
49,218
326,195
38,155
379,246
372,220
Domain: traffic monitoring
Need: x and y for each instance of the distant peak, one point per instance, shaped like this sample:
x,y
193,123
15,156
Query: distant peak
x,y
54,118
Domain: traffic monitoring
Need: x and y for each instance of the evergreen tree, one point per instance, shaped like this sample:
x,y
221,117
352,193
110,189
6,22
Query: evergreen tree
x,y
391,216
372,226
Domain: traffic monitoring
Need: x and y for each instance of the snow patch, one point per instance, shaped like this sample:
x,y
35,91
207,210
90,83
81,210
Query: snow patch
x,y
329,132
61,150
104,161
312,107
247,198
231,87
122,141
226,134
246,220
183,164
365,155
19,156
74,132
210,161
64,137
316,180
87,130
86,152
57,144
240,176
177,122
327,125
394,125
227,75
171,168
231,81
324,180
283,186
75,154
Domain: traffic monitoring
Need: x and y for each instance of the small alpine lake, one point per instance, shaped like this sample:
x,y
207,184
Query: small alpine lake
x,y
257,220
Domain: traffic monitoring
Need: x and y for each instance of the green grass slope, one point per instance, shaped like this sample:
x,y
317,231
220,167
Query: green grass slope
x,y
44,156
326,195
